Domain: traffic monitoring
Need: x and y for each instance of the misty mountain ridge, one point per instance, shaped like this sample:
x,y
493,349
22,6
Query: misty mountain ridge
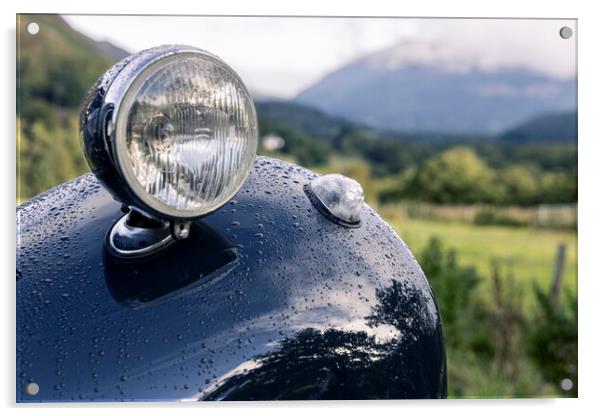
x,y
550,127
109,50
428,86
448,55
546,127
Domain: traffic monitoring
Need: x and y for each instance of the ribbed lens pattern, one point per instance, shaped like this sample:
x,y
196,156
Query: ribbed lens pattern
x,y
191,133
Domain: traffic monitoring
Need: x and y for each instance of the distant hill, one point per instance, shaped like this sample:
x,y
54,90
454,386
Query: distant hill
x,y
58,65
327,127
261,96
420,86
109,50
304,118
55,69
553,127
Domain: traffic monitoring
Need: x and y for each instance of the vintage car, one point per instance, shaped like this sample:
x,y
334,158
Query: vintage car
x,y
186,268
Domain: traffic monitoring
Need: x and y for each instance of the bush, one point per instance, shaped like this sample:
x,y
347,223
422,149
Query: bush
x,y
47,155
552,343
453,287
493,348
457,175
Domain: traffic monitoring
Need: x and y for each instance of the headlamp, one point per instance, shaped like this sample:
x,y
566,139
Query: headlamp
x,y
171,132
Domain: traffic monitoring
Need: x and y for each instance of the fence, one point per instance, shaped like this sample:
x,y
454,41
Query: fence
x,y
562,216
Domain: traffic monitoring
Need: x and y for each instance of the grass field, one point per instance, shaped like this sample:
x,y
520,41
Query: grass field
x,y
529,253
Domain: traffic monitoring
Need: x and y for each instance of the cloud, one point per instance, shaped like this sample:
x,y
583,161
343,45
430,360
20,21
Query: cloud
x,y
281,56
497,43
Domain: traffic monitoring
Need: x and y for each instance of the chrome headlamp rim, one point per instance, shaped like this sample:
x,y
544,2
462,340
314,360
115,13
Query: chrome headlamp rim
x,y
104,143
119,131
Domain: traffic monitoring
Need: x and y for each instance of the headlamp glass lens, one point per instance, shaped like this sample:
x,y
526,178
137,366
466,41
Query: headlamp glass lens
x,y
186,134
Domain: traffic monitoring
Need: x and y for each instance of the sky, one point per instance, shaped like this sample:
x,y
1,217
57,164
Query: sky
x,y
281,56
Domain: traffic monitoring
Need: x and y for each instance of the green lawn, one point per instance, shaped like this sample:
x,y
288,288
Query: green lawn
x,y
529,252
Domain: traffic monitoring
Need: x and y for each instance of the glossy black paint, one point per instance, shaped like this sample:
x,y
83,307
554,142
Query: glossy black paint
x,y
267,299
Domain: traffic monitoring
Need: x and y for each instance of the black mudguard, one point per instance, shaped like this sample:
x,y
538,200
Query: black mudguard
x,y
267,299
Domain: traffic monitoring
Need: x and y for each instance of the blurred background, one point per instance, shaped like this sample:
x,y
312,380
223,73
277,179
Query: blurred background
x,y
463,133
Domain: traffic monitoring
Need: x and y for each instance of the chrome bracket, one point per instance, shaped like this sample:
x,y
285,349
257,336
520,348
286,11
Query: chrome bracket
x,y
135,235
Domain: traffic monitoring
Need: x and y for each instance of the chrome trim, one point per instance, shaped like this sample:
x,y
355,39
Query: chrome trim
x,y
323,209
125,240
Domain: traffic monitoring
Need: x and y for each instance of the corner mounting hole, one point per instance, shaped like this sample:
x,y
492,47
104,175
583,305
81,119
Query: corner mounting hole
x,y
33,28
566,384
32,389
566,32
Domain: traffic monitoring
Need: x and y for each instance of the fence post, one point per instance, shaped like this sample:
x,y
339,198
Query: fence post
x,y
558,273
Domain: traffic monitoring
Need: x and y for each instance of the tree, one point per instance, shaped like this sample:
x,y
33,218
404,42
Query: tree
x,y
520,185
457,175
47,155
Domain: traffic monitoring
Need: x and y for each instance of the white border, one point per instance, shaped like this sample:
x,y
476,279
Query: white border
x,y
590,136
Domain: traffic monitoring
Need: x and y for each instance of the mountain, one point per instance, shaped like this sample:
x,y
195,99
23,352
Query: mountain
x,y
109,50
553,127
321,125
309,120
422,86
53,28
57,66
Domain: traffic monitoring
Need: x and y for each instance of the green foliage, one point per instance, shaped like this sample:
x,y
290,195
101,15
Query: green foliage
x,y
453,286
55,69
518,183
454,176
460,176
557,187
552,343
494,348
57,66
48,155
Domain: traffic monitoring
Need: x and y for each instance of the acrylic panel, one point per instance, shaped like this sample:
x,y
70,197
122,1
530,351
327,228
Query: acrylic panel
x,y
295,208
